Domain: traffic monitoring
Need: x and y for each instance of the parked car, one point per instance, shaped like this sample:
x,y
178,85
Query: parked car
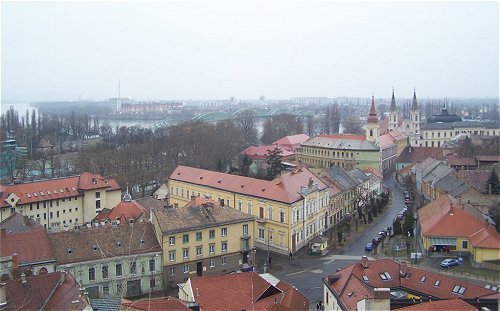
x,y
383,232
378,238
401,216
369,246
450,262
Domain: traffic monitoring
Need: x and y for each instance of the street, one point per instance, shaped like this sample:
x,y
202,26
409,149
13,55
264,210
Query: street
x,y
305,272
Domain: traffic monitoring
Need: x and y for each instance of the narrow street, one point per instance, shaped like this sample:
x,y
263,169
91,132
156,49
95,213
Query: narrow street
x,y
305,272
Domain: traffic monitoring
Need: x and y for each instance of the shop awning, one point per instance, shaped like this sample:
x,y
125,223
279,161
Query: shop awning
x,y
444,241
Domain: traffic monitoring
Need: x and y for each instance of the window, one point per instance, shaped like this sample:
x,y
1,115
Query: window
x,y
119,289
198,236
57,213
92,274
152,283
282,216
185,238
185,253
186,268
118,269
171,255
105,290
97,204
51,215
97,195
211,248
211,234
171,240
436,284
459,290
172,271
249,208
239,205
212,263
31,206
198,251
365,278
223,231
133,267
261,211
245,229
224,260
385,276
465,244
224,246
262,233
104,270
422,280
151,265
270,212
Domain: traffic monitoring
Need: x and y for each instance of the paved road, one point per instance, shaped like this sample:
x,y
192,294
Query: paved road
x,y
357,246
306,272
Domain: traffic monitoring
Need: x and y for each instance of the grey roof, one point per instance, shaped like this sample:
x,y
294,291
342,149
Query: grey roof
x,y
187,218
341,178
106,304
17,223
151,203
343,143
357,174
459,124
452,185
439,171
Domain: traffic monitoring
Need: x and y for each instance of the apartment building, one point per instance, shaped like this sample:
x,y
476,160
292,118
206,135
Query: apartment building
x,y
203,238
62,202
290,210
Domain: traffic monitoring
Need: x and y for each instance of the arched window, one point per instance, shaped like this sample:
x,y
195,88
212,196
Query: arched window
x,y
371,132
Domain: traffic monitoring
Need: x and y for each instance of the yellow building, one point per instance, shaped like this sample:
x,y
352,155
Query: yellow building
x,y
348,151
289,210
203,238
60,203
445,225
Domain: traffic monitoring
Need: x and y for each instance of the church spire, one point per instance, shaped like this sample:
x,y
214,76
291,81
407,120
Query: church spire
x,y
393,102
372,117
414,106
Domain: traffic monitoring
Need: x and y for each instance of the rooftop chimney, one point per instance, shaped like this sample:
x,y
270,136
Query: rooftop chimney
x,y
23,278
364,262
14,260
63,277
3,297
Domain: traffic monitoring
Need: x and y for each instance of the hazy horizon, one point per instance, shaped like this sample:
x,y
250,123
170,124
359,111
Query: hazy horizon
x,y
214,50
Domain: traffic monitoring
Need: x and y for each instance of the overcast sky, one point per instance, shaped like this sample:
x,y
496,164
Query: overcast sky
x,y
215,50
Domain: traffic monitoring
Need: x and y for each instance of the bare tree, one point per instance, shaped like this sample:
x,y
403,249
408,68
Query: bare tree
x,y
352,125
280,126
246,123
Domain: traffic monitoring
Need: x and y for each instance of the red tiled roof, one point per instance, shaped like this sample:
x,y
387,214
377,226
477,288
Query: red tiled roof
x,y
291,142
286,190
454,160
67,296
126,210
444,218
56,188
397,135
406,169
260,152
30,246
157,304
43,290
441,219
419,154
441,305
344,136
373,171
476,179
244,291
383,125
488,158
350,286
487,237
386,141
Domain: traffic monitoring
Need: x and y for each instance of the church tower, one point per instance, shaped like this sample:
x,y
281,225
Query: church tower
x,y
372,125
414,122
393,114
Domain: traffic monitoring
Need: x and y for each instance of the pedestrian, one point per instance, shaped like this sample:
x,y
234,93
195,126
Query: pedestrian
x,y
317,306
290,255
270,260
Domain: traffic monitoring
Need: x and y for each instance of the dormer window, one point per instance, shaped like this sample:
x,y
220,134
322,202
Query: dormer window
x,y
94,247
48,192
28,195
69,251
459,290
60,190
422,280
436,284
41,193
365,278
385,276
35,194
